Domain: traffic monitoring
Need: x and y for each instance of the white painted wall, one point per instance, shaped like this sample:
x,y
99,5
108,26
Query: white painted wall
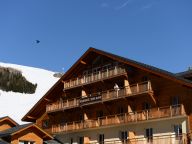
x,y
160,127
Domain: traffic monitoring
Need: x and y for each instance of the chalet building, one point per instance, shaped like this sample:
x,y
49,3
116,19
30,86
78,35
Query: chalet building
x,y
11,132
105,98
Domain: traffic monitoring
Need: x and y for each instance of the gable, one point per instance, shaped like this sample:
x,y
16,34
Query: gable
x,y
6,123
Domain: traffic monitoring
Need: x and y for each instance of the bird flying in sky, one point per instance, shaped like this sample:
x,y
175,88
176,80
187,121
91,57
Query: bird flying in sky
x,y
37,41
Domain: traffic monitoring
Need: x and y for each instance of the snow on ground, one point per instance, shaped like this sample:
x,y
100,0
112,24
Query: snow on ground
x,y
16,105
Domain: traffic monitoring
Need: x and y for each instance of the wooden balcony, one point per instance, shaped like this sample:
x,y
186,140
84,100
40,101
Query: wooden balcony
x,y
132,90
154,113
94,77
162,139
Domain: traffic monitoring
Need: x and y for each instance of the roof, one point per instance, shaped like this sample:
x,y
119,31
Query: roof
x,y
52,142
146,67
13,130
9,119
139,65
3,142
20,128
185,74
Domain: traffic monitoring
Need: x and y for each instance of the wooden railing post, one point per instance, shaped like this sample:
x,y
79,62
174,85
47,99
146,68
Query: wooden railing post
x,y
107,94
73,125
74,102
115,71
77,81
64,84
147,114
170,110
125,118
137,87
67,103
66,127
159,112
91,76
70,83
84,79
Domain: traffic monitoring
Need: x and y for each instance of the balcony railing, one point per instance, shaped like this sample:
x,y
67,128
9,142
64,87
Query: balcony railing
x,y
154,113
93,77
108,95
161,139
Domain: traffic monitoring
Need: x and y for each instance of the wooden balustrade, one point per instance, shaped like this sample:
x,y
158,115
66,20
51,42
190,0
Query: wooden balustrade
x,y
93,77
154,113
144,87
161,139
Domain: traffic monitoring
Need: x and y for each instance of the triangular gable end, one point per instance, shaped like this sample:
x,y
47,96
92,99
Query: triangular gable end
x,y
45,136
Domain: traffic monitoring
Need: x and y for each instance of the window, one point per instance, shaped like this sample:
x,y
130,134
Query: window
x,y
178,130
81,117
120,110
123,136
99,113
146,106
26,142
101,138
81,140
71,141
145,78
45,124
149,134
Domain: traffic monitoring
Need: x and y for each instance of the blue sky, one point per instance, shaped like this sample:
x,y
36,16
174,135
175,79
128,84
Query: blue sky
x,y
156,32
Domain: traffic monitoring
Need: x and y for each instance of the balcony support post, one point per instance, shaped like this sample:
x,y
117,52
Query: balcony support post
x,y
149,86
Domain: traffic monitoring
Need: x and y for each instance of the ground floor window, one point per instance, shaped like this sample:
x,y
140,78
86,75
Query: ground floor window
x,y
101,138
123,136
71,141
81,140
26,142
149,134
178,130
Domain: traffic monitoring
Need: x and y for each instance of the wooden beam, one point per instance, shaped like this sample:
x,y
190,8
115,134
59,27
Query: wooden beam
x,y
31,117
83,62
47,99
152,97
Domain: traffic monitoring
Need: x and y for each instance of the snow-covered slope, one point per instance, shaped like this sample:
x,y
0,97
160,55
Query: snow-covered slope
x,y
16,105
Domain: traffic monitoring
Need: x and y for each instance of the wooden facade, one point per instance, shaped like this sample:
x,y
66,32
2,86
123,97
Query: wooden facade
x,y
103,92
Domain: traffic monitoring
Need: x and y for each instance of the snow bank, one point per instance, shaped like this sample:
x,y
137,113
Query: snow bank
x,y
16,105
